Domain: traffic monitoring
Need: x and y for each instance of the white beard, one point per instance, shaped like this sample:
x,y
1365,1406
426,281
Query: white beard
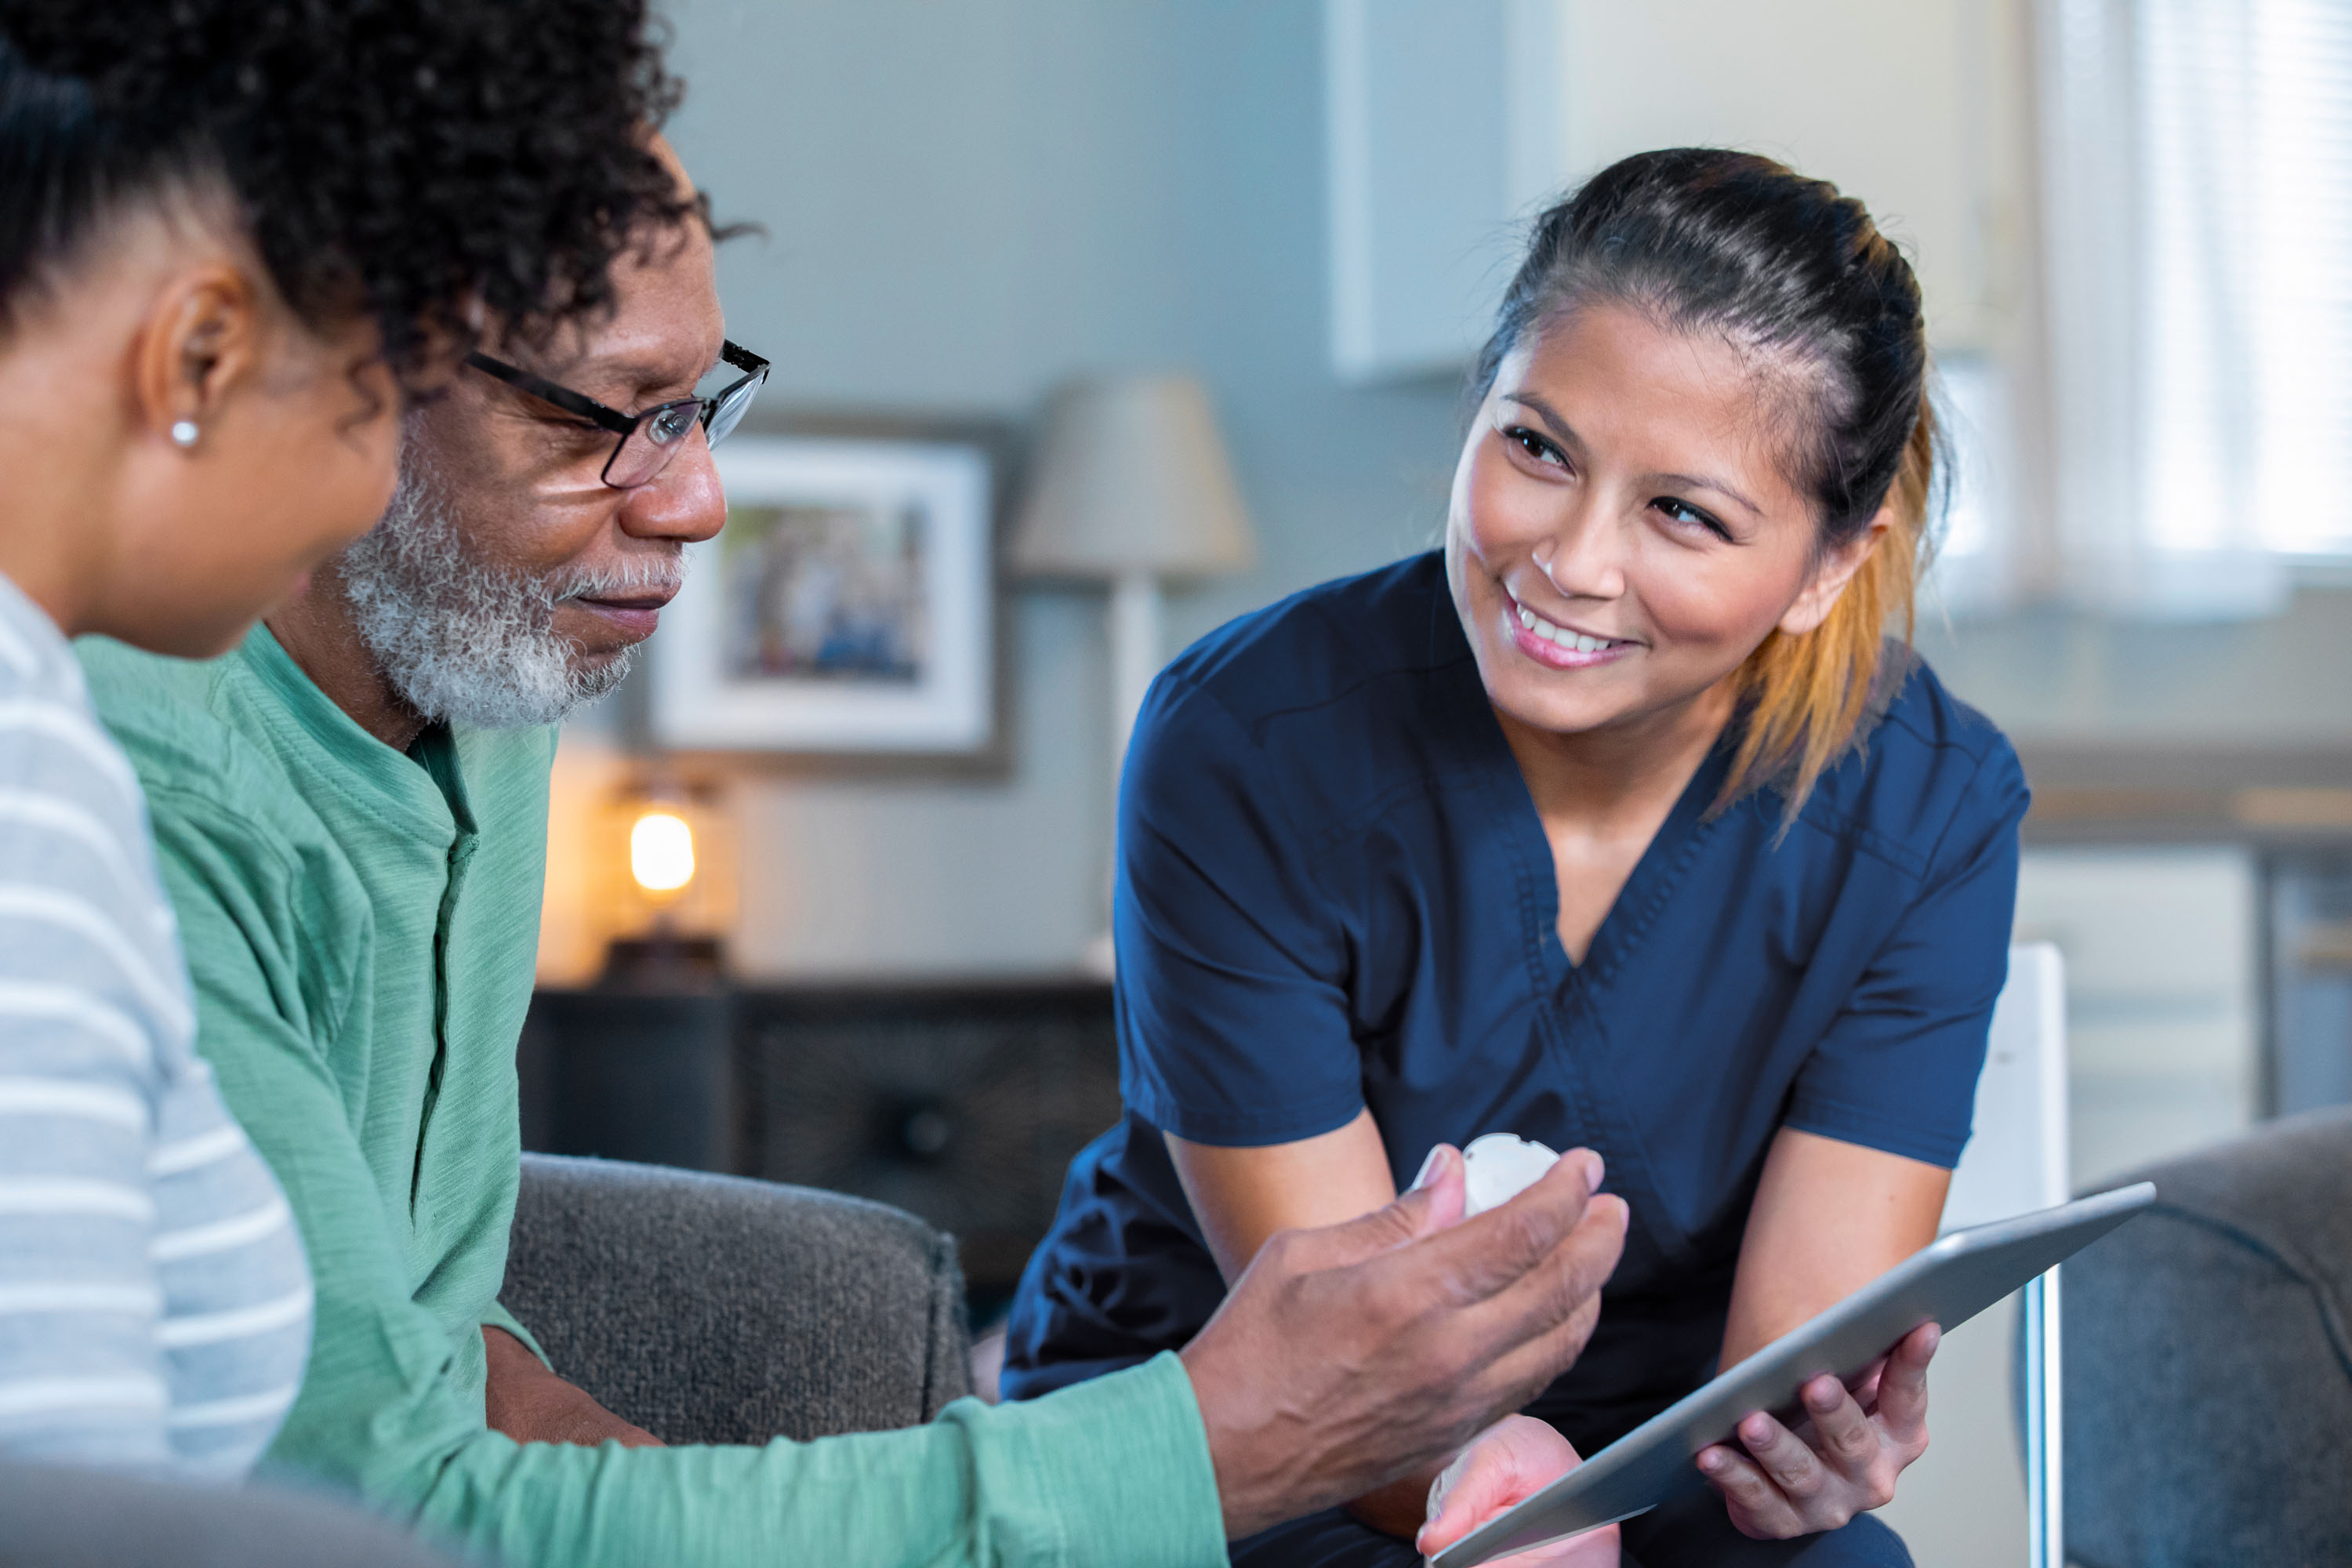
x,y
464,640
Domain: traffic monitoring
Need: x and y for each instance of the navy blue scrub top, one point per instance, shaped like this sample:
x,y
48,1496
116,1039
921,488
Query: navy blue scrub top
x,y
1334,892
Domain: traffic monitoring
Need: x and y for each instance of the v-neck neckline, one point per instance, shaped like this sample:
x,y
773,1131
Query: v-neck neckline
x,y
1663,860
1659,868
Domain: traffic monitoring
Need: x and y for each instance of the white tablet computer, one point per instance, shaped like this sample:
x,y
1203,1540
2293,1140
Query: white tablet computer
x,y
1947,1282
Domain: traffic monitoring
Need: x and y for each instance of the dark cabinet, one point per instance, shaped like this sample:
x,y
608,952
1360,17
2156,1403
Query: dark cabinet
x,y
961,1103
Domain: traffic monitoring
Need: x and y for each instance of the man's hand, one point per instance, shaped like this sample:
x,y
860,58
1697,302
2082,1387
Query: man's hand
x,y
1347,1356
531,1404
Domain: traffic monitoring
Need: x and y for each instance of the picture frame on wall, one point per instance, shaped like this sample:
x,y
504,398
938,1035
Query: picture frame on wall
x,y
846,609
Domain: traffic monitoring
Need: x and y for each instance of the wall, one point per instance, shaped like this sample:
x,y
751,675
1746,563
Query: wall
x,y
967,203
2049,676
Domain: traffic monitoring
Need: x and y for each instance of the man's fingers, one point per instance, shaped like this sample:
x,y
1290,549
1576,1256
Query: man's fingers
x,y
1516,1343
1434,1202
1559,1285
1493,1251
1518,1369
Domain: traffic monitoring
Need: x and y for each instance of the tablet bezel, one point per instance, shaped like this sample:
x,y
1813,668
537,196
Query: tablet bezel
x,y
1948,1282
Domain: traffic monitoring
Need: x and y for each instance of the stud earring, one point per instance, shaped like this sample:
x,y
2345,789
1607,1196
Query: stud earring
x,y
184,433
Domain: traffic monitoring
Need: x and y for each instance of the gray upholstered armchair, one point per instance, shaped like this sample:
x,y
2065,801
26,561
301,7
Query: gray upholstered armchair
x,y
2208,1361
717,1310
705,1309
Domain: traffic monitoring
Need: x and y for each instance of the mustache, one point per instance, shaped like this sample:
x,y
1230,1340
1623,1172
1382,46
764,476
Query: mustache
x,y
665,573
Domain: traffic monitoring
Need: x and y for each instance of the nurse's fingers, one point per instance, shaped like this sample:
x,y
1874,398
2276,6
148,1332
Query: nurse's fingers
x,y
1757,1506
1511,1460
1901,1407
1784,1457
1843,1433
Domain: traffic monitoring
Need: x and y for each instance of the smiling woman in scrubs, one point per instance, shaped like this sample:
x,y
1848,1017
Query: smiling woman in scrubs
x,y
1618,823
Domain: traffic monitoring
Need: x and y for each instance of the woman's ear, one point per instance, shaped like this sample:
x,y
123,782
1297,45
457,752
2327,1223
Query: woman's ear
x,y
200,343
1833,572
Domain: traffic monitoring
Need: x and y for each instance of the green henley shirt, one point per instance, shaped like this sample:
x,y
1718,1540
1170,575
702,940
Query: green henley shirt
x,y
361,927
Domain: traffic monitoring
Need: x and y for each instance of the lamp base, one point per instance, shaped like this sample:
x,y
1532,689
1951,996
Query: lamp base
x,y
1099,957
665,963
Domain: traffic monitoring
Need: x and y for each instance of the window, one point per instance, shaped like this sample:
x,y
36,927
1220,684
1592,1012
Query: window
x,y
2198,236
2245,112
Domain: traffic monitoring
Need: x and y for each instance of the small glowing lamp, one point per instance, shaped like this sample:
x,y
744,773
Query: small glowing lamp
x,y
661,851
668,872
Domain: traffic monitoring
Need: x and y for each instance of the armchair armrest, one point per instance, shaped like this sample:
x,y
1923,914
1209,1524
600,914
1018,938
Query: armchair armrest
x,y
57,1516
719,1309
2208,1360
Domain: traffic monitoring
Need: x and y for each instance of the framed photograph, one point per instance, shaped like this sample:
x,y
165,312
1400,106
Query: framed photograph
x,y
846,606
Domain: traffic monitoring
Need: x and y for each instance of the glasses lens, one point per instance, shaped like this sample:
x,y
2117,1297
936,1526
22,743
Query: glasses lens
x,y
648,449
732,408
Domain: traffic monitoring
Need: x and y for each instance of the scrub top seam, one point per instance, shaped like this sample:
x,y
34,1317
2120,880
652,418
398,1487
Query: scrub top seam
x,y
1339,832
1347,831
1675,1244
1841,828
1255,725
1653,904
1629,1167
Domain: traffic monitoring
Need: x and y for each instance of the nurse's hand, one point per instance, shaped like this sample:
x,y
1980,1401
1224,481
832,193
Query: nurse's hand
x,y
1515,1458
1842,1459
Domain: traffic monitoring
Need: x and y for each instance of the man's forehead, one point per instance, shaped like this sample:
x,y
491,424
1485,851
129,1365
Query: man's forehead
x,y
663,332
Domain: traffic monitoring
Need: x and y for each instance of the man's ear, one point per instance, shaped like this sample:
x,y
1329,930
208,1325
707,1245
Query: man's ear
x,y
1833,572
200,343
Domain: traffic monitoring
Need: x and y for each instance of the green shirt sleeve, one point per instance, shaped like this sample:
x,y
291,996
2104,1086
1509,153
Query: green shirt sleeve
x,y
498,1317
1112,1472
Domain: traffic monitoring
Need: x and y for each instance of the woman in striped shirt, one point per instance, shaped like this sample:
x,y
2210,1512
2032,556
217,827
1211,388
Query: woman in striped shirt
x,y
237,237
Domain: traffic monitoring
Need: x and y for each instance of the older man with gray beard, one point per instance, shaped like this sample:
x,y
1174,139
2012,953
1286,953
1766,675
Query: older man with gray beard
x,y
351,815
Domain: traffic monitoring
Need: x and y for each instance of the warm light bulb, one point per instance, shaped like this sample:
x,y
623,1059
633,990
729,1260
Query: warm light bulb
x,y
661,852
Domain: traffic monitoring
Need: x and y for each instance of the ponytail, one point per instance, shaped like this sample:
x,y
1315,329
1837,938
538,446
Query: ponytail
x,y
1803,699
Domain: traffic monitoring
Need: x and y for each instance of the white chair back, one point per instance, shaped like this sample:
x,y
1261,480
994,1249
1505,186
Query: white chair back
x,y
2016,1160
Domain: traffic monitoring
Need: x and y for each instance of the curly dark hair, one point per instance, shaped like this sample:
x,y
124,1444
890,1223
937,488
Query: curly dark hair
x,y
411,161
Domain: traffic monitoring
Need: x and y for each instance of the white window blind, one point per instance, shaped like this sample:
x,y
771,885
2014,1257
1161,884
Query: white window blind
x,y
2246,120
2198,240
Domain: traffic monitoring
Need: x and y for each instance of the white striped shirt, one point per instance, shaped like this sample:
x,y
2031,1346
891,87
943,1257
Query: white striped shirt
x,y
154,1304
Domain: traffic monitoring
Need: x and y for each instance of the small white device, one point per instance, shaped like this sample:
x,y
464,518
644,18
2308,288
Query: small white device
x,y
1498,1167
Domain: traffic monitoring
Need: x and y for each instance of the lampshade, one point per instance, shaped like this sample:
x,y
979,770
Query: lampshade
x,y
1131,477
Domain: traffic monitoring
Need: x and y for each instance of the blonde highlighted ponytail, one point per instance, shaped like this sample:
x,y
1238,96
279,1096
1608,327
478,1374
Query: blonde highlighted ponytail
x,y
1803,699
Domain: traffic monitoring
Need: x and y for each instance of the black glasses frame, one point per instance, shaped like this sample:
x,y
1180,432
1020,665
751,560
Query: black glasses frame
x,y
623,425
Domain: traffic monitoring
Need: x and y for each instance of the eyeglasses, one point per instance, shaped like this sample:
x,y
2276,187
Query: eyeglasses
x,y
649,439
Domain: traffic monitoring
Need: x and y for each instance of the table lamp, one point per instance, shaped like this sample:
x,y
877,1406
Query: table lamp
x,y
672,897
1132,488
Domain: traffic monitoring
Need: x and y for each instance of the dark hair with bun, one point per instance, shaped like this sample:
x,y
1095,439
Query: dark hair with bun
x,y
408,161
1797,278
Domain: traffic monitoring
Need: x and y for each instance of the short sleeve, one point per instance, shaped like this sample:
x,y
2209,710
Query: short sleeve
x,y
1233,1013
1897,1068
